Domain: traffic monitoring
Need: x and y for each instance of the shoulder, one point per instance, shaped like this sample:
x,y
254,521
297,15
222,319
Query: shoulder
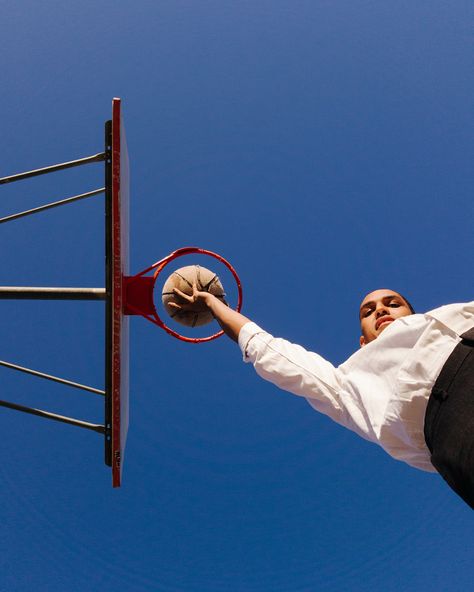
x,y
458,317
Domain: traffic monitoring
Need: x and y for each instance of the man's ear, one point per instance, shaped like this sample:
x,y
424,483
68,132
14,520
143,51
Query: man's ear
x,y
362,341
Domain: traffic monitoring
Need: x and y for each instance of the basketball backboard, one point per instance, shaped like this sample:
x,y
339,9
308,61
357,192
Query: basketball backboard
x,y
116,391
117,324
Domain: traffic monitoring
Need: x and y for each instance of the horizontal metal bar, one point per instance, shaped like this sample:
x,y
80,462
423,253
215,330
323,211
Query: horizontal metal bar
x,y
50,377
53,168
55,417
54,204
29,293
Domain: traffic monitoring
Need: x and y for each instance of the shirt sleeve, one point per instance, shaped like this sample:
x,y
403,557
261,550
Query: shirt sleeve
x,y
294,369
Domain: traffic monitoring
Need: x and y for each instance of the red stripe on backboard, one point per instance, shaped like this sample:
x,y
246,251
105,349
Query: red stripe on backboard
x,y
116,295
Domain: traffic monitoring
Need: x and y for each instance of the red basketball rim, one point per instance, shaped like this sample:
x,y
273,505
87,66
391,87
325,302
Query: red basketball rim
x,y
160,265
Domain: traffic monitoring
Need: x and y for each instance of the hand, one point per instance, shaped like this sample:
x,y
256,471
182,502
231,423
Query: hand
x,y
196,302
230,320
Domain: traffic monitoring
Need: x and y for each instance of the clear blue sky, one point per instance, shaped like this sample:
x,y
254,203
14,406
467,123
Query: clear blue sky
x,y
324,148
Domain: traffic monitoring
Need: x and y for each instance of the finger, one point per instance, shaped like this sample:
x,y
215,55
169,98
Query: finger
x,y
182,308
183,295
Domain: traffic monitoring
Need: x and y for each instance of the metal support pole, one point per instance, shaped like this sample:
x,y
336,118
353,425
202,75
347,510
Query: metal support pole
x,y
50,377
54,204
28,293
100,429
53,168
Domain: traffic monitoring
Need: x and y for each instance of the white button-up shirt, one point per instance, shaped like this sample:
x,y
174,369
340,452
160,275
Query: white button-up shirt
x,y
382,390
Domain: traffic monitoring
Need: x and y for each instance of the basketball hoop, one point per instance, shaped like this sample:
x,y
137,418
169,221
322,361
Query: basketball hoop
x,y
138,292
123,294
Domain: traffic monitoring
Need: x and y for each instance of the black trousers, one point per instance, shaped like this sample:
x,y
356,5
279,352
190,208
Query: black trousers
x,y
449,420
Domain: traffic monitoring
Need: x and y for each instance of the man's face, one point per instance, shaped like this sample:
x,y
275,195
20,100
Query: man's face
x,y
378,310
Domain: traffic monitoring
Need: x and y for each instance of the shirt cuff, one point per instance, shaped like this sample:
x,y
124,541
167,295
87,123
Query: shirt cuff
x,y
246,333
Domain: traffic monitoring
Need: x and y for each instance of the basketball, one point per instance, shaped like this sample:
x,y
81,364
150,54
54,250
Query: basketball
x,y
195,315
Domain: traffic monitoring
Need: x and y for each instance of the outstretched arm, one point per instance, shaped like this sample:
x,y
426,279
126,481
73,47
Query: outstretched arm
x,y
287,365
230,320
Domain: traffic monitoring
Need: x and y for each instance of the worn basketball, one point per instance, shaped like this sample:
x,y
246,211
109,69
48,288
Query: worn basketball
x,y
197,314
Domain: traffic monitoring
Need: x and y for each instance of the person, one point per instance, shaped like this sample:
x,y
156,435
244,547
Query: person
x,y
409,388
